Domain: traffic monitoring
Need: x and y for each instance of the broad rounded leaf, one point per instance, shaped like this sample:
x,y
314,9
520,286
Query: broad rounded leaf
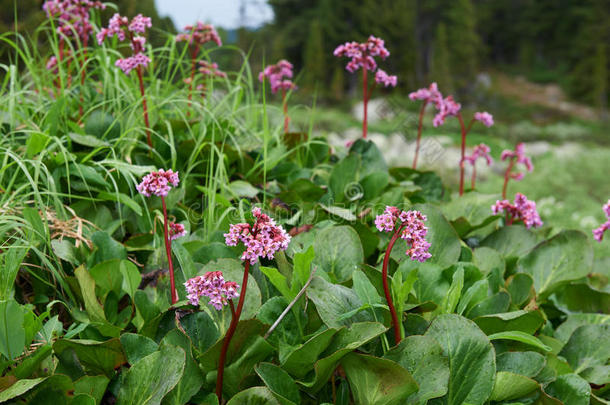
x,y
279,382
376,381
423,357
565,257
512,386
338,252
471,358
570,389
588,346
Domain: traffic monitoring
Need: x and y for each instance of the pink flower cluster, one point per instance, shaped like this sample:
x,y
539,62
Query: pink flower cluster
x,y
158,183
523,209
412,229
199,34
138,25
278,75
210,69
381,77
480,150
176,230
598,233
485,118
73,15
262,239
362,54
446,106
519,155
212,285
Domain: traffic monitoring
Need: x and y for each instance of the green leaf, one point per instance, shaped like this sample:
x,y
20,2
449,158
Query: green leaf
x,y
473,295
338,252
87,286
521,337
201,329
192,378
455,291
423,357
65,250
511,241
520,288
12,332
371,156
151,378
340,212
497,303
236,372
487,259
279,382
136,347
300,361
344,342
581,298
565,257
121,198
598,375
107,248
241,188
279,281
254,396
588,346
107,275
570,389
343,177
509,386
19,388
92,385
36,143
301,269
528,364
131,277
87,140
565,330
524,321
94,357
471,358
290,330
374,184
376,381
334,300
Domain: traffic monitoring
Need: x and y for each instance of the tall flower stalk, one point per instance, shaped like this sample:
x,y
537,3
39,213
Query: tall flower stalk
x,y
514,157
124,29
410,226
197,36
363,56
279,76
262,239
479,151
159,184
427,96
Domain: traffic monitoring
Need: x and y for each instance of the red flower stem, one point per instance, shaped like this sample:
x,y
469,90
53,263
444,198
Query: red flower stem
x,y
386,287
474,174
419,129
463,149
507,177
285,107
82,78
144,106
194,52
365,100
230,332
168,250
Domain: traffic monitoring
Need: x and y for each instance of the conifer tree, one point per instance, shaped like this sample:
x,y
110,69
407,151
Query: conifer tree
x,y
439,68
463,42
314,57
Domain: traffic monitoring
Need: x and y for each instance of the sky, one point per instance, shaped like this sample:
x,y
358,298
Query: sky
x,y
223,13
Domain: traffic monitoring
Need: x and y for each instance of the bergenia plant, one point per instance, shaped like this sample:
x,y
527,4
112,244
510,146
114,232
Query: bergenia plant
x,y
208,71
362,55
159,184
516,156
598,233
73,17
522,210
261,240
279,76
479,151
429,95
410,226
197,36
124,29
